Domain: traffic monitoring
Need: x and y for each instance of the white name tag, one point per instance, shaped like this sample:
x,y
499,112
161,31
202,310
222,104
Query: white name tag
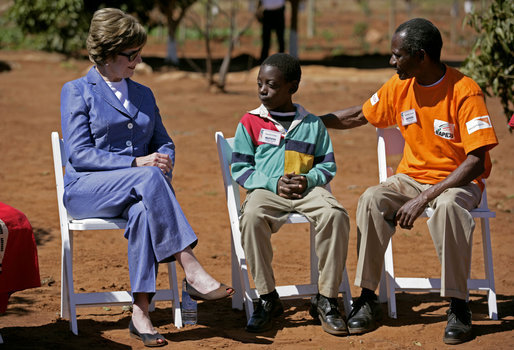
x,y
270,137
409,117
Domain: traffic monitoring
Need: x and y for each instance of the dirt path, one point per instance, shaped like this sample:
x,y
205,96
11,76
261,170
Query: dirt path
x,y
29,111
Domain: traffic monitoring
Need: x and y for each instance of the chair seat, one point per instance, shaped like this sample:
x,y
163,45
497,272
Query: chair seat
x,y
476,213
97,224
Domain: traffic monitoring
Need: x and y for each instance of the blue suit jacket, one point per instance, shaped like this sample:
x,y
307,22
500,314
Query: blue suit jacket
x,y
100,134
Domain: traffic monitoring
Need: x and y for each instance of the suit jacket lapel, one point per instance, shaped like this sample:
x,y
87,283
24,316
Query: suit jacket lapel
x,y
135,96
101,88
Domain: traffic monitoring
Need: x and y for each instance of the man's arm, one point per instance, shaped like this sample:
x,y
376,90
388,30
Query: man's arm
x,y
469,170
344,119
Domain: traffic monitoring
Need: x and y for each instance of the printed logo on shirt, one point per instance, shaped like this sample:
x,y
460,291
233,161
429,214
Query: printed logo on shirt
x,y
478,123
374,99
444,129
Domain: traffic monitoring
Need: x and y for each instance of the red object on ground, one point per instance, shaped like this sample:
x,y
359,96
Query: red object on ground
x,y
19,268
511,122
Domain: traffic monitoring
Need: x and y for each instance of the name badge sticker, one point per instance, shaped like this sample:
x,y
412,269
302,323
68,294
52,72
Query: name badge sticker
x,y
409,117
271,137
478,123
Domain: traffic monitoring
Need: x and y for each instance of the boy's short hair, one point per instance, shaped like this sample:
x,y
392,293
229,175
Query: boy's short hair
x,y
287,64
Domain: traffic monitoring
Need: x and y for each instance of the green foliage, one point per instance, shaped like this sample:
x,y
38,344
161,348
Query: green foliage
x,y
59,25
328,35
360,29
491,61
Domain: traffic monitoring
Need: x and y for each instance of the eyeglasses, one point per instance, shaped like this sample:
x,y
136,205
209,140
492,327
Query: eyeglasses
x,y
131,55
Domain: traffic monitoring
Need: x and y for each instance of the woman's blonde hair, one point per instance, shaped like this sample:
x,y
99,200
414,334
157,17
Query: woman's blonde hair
x,y
112,31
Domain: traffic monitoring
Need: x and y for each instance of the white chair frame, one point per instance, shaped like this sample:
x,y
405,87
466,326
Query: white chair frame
x,y
245,295
390,142
70,300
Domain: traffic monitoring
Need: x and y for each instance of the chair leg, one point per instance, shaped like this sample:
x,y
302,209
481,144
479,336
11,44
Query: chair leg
x,y
68,263
151,306
246,282
488,267
65,297
313,256
237,297
175,302
347,294
390,282
382,289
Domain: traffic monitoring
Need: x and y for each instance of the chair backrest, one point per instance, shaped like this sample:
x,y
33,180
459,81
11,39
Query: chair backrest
x,y
225,157
390,142
59,156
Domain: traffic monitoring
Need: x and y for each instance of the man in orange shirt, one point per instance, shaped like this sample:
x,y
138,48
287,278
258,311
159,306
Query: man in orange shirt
x,y
442,115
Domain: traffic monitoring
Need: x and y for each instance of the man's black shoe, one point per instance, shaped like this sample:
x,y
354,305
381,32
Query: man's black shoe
x,y
365,312
263,314
327,311
458,328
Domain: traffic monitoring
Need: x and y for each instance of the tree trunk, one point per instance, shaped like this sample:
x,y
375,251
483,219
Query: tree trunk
x,y
208,53
234,38
311,27
171,50
392,18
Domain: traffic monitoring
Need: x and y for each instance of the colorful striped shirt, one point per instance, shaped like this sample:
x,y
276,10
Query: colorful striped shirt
x,y
263,150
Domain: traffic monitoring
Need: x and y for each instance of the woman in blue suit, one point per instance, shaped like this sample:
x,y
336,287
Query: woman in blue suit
x,y
120,162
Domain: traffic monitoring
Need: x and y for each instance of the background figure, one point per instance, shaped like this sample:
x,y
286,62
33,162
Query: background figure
x,y
271,14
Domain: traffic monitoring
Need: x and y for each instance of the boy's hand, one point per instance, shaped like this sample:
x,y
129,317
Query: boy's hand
x,y
291,186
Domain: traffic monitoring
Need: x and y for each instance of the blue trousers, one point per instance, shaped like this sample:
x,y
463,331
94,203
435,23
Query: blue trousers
x,y
157,227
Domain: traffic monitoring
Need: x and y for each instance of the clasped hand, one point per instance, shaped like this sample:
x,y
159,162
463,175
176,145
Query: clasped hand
x,y
409,212
160,160
291,186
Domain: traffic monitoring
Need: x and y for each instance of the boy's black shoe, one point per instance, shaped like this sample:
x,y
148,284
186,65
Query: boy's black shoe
x,y
327,311
458,328
263,314
365,312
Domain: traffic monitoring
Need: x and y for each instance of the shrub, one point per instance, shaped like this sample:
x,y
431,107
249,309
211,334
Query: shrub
x,y
491,61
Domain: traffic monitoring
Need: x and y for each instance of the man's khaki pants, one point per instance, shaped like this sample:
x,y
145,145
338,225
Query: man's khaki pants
x,y
451,228
264,212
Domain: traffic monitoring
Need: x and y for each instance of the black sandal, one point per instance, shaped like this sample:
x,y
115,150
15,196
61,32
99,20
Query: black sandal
x,y
149,340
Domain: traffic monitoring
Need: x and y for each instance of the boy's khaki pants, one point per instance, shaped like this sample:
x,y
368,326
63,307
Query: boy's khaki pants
x,y
264,212
451,228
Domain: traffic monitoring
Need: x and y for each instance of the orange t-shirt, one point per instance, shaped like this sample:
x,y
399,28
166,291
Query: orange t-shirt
x,y
441,124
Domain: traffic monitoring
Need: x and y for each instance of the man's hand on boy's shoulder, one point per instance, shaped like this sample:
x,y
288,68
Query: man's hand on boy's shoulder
x,y
291,186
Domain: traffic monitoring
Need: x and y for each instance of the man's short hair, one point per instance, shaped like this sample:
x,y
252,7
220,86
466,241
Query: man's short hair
x,y
287,64
420,33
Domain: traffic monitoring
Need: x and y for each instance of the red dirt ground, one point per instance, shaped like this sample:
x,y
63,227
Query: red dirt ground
x,y
29,111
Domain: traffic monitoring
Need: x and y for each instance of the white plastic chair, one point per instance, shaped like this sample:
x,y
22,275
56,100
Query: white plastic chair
x,y
245,295
390,142
71,300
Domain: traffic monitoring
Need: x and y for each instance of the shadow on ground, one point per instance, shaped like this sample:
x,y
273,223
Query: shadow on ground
x,y
246,62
